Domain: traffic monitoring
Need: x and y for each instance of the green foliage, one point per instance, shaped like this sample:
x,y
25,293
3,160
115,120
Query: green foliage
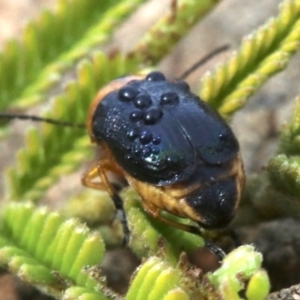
x,y
244,262
49,252
275,192
279,184
161,38
157,273
290,133
158,279
61,255
42,148
261,55
52,44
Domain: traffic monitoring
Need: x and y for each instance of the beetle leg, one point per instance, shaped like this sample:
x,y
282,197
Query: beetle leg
x,y
87,179
99,171
215,250
154,212
118,202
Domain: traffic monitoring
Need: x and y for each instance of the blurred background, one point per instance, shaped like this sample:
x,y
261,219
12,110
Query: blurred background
x,y
256,126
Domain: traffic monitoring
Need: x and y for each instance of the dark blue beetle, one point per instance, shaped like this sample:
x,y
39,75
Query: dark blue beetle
x,y
170,146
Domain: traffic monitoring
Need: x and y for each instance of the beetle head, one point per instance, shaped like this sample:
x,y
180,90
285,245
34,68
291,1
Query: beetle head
x,y
215,204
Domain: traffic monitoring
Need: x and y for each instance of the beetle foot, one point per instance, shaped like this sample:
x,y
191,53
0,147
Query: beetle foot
x,y
215,250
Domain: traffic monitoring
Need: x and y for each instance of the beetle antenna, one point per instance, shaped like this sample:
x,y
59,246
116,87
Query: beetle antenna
x,y
202,61
41,119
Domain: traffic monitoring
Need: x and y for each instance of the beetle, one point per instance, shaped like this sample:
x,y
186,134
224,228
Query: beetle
x,y
175,151
169,145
